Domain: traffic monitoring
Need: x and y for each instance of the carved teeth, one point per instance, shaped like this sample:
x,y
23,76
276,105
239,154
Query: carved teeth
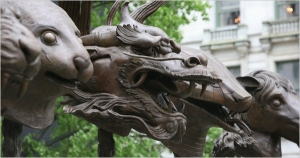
x,y
171,106
204,86
23,88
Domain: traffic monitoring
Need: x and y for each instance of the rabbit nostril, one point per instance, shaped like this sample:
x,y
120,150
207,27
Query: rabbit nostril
x,y
192,61
81,63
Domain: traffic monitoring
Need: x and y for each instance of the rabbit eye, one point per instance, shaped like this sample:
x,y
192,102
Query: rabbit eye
x,y
48,37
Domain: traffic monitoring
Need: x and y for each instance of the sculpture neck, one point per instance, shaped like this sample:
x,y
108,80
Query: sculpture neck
x,y
273,149
192,144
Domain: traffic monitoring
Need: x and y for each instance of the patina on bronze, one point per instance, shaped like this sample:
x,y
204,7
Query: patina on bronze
x,y
146,60
64,61
274,114
20,62
55,43
132,81
209,106
20,51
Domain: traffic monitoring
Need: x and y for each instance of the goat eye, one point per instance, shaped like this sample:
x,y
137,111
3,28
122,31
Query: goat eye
x,y
48,37
276,103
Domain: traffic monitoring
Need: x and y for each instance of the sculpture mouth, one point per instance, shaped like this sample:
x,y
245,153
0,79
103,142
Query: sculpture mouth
x,y
220,116
68,83
293,134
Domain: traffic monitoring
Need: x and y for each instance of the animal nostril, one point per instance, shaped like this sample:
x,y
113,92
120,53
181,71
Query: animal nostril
x,y
192,61
81,63
203,59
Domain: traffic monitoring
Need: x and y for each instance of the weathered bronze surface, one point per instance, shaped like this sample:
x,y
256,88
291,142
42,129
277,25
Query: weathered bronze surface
x,y
138,79
63,58
42,58
132,81
20,51
209,109
274,114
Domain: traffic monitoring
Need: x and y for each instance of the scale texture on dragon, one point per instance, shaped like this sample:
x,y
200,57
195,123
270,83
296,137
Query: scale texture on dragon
x,y
135,73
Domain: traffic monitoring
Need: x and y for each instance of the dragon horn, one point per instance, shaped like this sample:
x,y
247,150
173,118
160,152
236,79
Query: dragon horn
x,y
144,11
112,12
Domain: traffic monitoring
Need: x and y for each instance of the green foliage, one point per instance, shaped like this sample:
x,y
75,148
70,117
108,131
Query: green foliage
x,y
168,17
213,133
73,134
137,146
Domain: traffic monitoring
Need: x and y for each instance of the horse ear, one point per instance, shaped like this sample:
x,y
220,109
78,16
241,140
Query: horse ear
x,y
248,81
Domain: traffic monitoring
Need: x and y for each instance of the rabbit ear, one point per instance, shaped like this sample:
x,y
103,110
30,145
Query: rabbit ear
x,y
248,81
144,11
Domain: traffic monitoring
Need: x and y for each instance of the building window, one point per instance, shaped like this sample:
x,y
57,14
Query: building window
x,y
290,70
287,9
235,70
228,13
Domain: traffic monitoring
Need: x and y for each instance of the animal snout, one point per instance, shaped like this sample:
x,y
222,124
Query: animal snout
x,y
243,99
84,68
199,59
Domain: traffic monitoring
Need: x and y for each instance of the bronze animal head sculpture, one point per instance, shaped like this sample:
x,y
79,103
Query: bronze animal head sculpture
x,y
20,51
64,61
133,79
210,106
274,114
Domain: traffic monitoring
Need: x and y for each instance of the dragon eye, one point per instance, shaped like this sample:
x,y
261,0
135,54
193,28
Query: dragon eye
x,y
48,37
276,103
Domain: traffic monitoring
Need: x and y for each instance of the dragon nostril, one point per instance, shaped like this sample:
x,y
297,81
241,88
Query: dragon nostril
x,y
192,61
81,64
203,59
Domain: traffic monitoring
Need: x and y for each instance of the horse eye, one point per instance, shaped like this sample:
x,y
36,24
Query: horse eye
x,y
276,103
48,37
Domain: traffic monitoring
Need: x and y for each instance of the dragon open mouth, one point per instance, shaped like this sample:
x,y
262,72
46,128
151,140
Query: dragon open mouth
x,y
69,83
220,115
160,87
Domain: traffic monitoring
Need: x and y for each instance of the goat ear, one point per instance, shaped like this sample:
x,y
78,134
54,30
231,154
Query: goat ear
x,y
248,81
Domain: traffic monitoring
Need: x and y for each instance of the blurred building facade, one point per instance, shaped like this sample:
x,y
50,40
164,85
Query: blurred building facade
x,y
250,35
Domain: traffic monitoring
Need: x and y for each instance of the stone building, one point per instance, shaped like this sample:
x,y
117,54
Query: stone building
x,y
250,35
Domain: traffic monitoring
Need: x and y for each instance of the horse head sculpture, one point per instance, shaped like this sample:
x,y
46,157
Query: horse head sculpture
x,y
134,74
64,61
274,114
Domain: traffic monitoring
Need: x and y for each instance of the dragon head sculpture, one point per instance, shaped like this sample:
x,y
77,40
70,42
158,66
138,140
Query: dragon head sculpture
x,y
136,68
